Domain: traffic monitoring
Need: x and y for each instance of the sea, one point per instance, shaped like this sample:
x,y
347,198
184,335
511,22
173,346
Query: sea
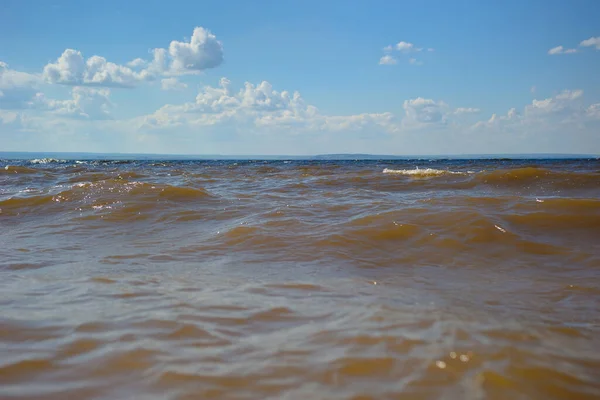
x,y
299,278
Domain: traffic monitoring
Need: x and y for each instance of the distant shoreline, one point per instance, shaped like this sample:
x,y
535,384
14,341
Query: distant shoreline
x,y
320,157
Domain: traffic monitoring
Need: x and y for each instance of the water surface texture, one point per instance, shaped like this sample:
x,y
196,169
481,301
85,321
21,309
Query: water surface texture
x,y
470,279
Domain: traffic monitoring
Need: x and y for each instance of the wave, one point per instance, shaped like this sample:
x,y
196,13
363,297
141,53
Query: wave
x,y
422,173
514,174
139,190
538,175
48,161
16,169
104,196
106,176
525,177
24,203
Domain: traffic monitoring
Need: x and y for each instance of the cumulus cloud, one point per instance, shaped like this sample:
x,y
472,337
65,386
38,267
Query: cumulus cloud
x,y
548,113
554,105
258,106
172,84
16,88
414,61
257,116
406,47
387,60
422,111
561,50
203,51
251,100
87,103
591,42
72,69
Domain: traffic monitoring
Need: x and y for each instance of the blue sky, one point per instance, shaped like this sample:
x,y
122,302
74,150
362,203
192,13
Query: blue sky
x,y
390,77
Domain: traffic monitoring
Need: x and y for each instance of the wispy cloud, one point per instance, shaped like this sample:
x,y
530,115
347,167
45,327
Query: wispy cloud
x,y
590,42
560,50
405,48
466,110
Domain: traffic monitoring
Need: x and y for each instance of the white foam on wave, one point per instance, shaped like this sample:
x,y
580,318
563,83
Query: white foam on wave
x,y
46,161
417,172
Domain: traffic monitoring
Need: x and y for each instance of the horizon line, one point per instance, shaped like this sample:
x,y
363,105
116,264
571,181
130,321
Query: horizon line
x,y
305,156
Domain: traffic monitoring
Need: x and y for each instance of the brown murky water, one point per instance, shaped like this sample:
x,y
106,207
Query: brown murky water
x,y
300,280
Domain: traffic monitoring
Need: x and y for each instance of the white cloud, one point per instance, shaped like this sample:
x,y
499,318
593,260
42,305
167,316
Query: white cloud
x,y
499,121
16,88
252,101
387,60
561,50
591,42
12,120
71,69
547,114
258,106
259,119
137,63
554,105
466,110
160,62
203,51
406,47
87,103
593,111
422,111
172,84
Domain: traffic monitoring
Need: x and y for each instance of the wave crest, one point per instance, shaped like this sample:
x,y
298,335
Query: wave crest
x,y
422,173
47,161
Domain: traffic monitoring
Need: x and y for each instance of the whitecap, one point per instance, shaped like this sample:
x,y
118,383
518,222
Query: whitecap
x,y
46,161
417,172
